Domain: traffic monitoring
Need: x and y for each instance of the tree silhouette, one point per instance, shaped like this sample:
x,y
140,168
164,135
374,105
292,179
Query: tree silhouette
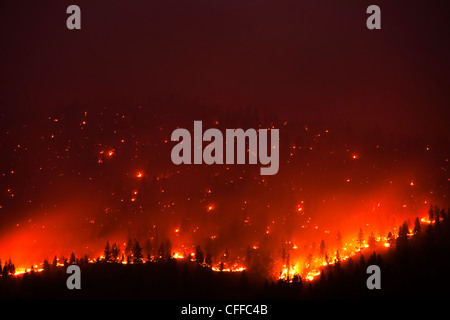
x,y
208,259
162,252
12,267
115,251
403,231
168,249
8,269
431,213
339,240
338,258
107,252
327,259
199,255
72,258
46,266
360,238
5,270
443,215
390,238
437,218
322,247
148,247
372,241
309,259
137,253
417,227
129,247
55,262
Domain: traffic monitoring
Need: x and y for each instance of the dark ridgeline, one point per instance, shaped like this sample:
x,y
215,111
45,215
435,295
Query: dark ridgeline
x,y
415,267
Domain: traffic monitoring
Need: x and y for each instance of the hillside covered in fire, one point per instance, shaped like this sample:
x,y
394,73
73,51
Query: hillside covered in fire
x,y
89,119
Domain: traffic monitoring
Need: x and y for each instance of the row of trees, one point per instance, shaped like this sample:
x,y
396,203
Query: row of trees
x,y
134,252
8,269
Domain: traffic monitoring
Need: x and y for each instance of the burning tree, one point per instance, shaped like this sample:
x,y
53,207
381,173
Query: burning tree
x,y
129,247
322,247
360,238
372,241
339,240
390,238
115,251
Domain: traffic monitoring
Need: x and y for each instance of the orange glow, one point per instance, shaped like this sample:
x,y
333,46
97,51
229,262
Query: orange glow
x,y
178,255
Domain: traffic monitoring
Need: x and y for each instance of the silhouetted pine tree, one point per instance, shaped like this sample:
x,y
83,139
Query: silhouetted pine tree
x,y
72,258
199,255
431,213
137,253
129,247
322,247
360,238
55,262
417,227
115,251
161,252
148,247
402,238
339,240
107,252
168,249
390,238
372,241
46,266
208,259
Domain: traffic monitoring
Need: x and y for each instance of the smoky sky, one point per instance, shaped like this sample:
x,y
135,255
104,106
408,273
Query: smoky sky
x,y
304,58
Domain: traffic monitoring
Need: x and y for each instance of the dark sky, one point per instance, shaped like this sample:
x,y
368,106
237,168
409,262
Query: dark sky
x,y
307,57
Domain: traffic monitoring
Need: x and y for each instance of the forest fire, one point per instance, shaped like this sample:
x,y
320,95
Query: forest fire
x,y
185,149
297,266
296,226
326,205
